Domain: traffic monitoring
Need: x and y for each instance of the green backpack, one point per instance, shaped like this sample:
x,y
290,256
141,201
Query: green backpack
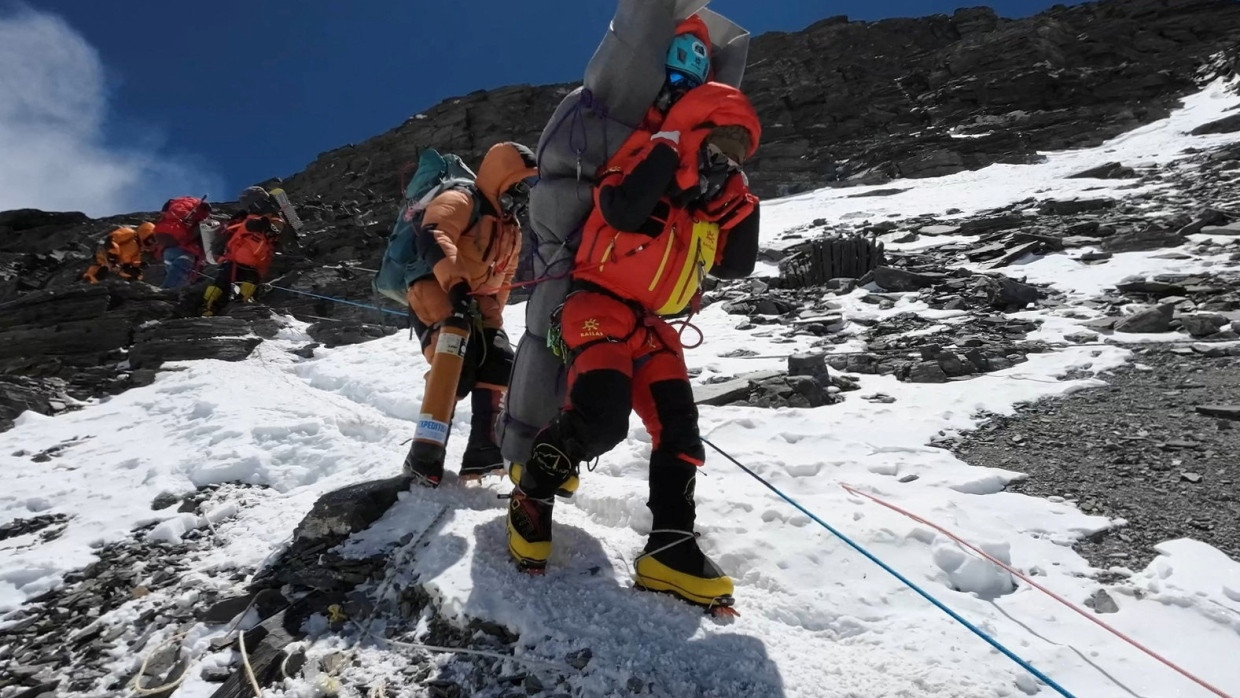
x,y
402,265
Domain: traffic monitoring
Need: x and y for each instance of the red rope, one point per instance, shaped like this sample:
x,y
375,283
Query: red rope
x,y
1039,587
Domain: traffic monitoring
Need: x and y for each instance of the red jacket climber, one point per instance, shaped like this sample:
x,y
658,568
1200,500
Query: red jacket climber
x,y
178,237
672,206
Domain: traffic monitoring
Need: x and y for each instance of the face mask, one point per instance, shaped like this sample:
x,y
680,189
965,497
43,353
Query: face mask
x,y
516,201
714,168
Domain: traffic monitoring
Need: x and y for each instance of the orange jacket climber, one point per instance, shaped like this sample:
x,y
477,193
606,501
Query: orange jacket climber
x,y
248,243
484,257
472,269
121,253
251,241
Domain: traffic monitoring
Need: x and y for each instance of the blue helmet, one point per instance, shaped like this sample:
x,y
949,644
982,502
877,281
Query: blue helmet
x,y
688,59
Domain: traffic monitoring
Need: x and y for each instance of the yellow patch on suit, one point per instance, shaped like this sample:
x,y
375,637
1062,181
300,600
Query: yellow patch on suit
x,y
703,244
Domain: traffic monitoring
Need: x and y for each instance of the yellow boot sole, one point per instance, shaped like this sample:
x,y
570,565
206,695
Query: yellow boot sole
x,y
656,576
566,490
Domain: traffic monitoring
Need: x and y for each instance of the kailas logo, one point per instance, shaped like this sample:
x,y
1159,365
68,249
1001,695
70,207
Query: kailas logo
x,y
590,328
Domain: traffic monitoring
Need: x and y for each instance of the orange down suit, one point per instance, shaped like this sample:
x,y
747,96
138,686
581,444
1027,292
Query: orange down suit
x,y
121,254
251,241
484,255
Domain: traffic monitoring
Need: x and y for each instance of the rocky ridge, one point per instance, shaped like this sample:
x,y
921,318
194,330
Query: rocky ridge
x,y
1152,449
849,101
842,102
1167,472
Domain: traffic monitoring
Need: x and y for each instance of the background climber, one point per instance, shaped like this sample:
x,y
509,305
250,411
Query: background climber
x,y
178,237
470,239
121,253
248,245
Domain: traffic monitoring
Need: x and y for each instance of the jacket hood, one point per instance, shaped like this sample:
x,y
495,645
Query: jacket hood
x,y
716,104
504,165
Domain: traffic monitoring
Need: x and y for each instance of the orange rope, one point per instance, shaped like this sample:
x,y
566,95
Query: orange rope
x,y
1039,587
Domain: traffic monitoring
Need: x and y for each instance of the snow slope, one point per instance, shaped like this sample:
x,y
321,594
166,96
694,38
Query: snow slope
x,y
817,619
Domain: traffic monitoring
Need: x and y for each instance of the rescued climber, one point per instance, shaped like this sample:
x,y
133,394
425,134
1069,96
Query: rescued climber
x,y
671,206
471,239
179,239
247,244
121,253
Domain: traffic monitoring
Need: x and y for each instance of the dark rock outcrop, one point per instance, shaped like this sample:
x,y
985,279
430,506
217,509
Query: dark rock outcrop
x,y
842,103
1111,170
1227,124
818,261
1156,319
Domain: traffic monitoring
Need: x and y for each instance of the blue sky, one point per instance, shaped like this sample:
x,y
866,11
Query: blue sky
x,y
215,96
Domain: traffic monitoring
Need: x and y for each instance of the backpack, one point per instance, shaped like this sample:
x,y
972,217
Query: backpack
x,y
402,265
257,200
177,219
180,209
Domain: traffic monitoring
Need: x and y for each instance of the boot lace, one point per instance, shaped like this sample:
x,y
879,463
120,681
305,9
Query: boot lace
x,y
684,536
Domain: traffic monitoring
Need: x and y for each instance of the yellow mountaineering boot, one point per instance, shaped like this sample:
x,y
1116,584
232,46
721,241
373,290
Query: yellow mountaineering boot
x,y
672,562
529,531
529,508
247,290
210,297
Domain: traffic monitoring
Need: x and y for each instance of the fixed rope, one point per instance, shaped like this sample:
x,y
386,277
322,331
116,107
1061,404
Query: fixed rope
x,y
905,580
1079,611
340,300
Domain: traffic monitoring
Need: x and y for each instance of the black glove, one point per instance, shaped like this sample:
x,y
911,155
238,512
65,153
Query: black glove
x,y
458,297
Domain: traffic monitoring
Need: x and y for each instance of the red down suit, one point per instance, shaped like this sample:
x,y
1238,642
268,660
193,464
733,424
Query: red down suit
x,y
645,249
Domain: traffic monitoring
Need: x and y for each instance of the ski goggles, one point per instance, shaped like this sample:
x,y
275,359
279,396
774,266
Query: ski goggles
x,y
680,80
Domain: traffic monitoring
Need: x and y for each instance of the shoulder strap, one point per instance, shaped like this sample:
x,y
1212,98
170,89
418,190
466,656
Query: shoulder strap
x,y
475,196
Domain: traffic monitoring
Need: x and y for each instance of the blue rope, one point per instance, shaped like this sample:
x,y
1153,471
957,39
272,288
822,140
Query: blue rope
x,y
340,300
924,594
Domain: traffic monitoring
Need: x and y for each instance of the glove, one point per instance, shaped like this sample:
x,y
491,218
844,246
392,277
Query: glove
x,y
696,114
459,299
733,203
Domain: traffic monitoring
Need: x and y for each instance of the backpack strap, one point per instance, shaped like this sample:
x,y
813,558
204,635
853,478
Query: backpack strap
x,y
475,196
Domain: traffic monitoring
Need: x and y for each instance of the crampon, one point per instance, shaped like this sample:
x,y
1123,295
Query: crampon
x,y
477,476
534,569
720,607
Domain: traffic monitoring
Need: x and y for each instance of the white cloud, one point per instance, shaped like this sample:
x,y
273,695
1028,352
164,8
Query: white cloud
x,y
53,152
